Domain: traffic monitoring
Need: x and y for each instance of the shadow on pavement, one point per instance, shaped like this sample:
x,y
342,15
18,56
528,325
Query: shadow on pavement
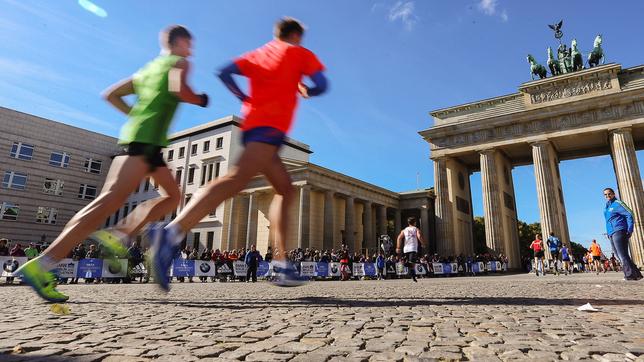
x,y
306,302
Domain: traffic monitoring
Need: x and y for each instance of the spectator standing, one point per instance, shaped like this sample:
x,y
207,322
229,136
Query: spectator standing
x,y
619,228
252,259
269,255
380,265
92,253
31,251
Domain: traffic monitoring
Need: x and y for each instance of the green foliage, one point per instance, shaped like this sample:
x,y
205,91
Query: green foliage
x,y
577,250
478,230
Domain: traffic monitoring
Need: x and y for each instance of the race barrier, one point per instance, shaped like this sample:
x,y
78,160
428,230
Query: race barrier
x,y
100,268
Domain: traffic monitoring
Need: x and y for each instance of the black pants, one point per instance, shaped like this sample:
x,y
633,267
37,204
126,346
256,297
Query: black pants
x,y
251,272
410,260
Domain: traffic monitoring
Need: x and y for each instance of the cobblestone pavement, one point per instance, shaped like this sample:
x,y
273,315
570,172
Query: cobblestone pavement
x,y
514,317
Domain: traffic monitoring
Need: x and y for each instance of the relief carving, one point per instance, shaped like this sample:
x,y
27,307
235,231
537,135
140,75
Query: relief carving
x,y
571,90
568,121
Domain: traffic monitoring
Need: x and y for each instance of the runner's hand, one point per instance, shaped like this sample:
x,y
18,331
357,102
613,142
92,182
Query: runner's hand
x,y
303,89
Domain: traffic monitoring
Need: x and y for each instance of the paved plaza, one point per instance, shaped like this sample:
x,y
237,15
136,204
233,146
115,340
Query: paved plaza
x,y
512,317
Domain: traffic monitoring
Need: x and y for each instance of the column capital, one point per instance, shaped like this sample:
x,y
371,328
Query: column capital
x,y
620,130
487,151
540,142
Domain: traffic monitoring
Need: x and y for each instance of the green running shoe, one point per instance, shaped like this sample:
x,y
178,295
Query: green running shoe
x,y
113,248
42,281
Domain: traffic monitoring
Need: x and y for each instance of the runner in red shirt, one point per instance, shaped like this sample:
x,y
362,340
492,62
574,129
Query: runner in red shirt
x,y
275,71
537,247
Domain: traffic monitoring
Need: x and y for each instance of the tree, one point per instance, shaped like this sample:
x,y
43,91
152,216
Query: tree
x,y
478,229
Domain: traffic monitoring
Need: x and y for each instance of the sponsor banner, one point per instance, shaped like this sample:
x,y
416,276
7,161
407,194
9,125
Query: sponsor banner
x,y
447,268
334,270
263,269
390,269
322,269
438,268
420,269
504,266
11,264
401,269
90,268
225,268
66,268
498,265
358,269
139,269
478,267
114,268
370,269
454,268
460,268
488,266
240,268
204,268
307,268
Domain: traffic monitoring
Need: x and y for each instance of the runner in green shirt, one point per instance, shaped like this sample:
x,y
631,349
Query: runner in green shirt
x,y
159,86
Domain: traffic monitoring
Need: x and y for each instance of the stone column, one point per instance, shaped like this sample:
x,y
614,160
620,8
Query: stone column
x,y
443,208
629,183
304,219
349,225
368,226
382,220
546,168
424,226
491,201
397,222
329,221
251,228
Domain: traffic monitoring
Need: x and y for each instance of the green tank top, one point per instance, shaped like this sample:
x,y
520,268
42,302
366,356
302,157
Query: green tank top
x,y
152,113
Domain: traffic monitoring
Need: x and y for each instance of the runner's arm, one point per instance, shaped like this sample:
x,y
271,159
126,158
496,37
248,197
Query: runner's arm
x,y
115,93
420,237
628,214
178,85
399,241
226,76
320,85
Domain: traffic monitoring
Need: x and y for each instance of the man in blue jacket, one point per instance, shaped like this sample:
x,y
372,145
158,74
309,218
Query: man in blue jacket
x,y
619,228
252,259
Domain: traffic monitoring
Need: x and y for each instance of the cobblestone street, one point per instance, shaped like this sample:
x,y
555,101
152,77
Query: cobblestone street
x,y
513,317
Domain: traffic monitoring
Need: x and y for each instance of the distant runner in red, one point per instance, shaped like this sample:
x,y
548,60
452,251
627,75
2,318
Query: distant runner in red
x,y
275,71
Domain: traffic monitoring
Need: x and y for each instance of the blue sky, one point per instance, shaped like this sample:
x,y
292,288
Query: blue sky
x,y
389,64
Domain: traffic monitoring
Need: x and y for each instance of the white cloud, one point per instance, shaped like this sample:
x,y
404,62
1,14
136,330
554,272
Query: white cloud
x,y
403,11
504,15
488,6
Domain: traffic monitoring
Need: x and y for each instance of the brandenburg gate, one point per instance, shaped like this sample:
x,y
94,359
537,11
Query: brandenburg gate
x,y
591,112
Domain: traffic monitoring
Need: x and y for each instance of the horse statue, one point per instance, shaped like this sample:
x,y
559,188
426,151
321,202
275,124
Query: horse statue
x,y
575,55
553,63
536,68
597,54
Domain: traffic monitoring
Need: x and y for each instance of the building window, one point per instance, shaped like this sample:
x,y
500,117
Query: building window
x,y
217,169
14,180
188,197
210,239
210,166
22,151
191,175
52,186
203,175
126,210
93,166
182,152
59,159
46,215
87,192
134,204
206,146
116,216
146,187
170,155
213,213
193,149
9,211
177,176
220,143
195,241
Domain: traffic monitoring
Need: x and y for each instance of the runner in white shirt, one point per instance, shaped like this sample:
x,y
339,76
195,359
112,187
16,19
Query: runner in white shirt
x,y
413,241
